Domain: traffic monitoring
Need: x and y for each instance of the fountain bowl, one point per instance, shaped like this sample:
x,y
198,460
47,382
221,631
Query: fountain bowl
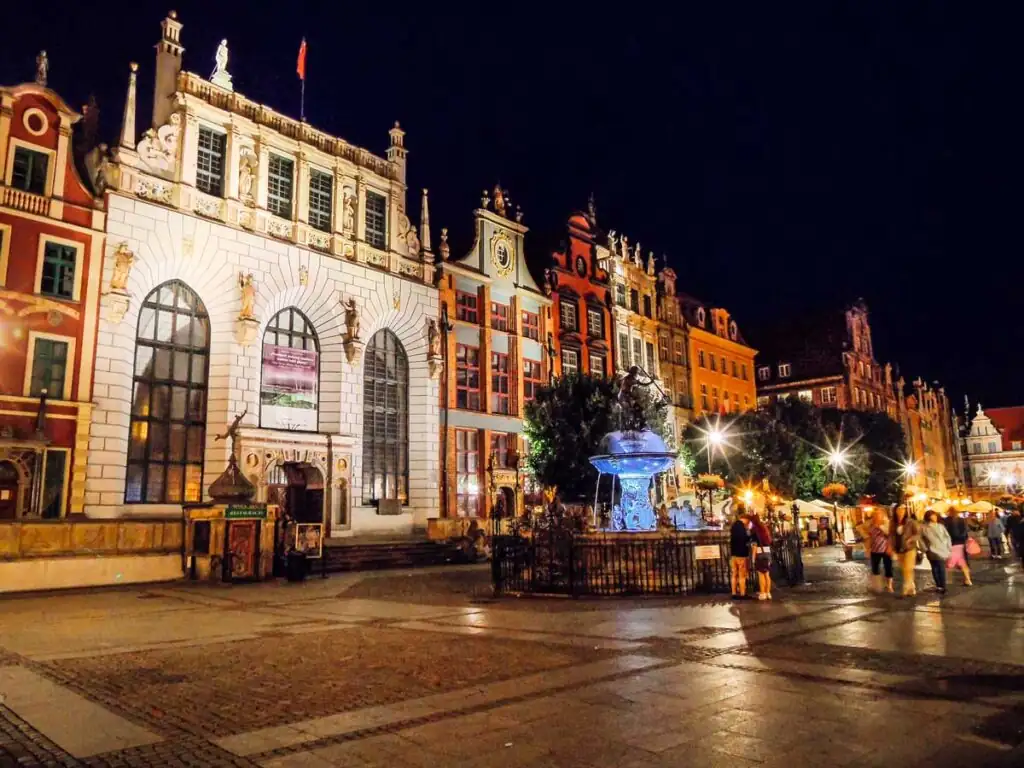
x,y
634,457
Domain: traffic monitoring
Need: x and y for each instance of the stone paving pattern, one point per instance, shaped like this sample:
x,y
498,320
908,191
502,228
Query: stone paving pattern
x,y
424,669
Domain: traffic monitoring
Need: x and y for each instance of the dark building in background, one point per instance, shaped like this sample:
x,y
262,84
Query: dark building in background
x,y
827,360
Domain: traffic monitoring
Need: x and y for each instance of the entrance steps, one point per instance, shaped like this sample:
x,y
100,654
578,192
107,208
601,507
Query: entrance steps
x,y
368,554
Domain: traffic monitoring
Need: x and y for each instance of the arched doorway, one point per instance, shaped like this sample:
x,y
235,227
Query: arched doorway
x,y
504,504
299,489
8,491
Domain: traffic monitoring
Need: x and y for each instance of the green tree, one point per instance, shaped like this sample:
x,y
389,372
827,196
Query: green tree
x,y
565,423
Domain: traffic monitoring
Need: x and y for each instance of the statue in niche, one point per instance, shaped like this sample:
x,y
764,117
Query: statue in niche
x,y
248,288
123,260
433,338
351,320
247,176
349,221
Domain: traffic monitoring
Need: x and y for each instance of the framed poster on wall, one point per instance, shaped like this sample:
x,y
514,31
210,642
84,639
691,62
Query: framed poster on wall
x,y
288,392
309,539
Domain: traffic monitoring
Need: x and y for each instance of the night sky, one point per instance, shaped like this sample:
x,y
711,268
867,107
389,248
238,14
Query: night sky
x,y
785,157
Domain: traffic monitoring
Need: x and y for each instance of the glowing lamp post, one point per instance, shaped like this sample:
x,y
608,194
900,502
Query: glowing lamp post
x,y
715,439
836,460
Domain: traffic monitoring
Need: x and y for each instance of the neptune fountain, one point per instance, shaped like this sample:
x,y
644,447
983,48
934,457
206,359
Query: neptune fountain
x,y
634,454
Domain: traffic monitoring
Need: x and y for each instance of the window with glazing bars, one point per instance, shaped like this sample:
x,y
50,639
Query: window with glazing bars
x,y
58,278
499,383
570,362
531,325
167,434
531,378
49,367
466,307
29,170
595,322
567,314
624,351
467,472
210,162
467,377
500,449
499,316
376,220
321,200
279,186
385,420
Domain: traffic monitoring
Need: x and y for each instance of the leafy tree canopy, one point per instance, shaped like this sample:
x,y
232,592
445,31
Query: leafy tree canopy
x,y
566,422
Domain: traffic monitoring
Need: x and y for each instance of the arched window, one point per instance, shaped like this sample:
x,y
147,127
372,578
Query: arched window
x,y
291,373
167,435
385,420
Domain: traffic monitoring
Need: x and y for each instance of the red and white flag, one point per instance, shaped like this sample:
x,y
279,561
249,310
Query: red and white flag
x,y
300,67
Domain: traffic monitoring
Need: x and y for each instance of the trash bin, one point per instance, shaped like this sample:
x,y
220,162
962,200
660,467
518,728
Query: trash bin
x,y
296,568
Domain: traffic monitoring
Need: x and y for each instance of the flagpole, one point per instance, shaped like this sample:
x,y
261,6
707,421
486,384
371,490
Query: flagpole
x,y
302,101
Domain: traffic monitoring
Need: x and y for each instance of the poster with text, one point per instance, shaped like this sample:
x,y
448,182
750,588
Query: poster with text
x,y
288,393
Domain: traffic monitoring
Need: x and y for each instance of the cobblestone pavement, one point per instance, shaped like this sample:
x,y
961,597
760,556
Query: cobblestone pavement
x,y
425,668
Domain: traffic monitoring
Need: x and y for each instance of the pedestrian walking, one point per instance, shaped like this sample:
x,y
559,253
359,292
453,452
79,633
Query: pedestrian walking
x,y
995,535
881,552
739,560
958,534
762,557
1017,534
812,532
937,547
906,533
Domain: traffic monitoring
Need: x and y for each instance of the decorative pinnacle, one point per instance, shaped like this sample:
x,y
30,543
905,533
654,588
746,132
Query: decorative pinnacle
x,y
134,67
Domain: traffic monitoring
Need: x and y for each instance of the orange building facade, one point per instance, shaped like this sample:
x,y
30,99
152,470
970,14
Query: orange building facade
x,y
721,362
580,291
51,251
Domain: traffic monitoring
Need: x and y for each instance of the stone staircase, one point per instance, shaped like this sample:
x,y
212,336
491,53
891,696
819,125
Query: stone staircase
x,y
369,554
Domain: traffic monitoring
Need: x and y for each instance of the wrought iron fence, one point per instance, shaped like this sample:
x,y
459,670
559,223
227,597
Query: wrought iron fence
x,y
553,560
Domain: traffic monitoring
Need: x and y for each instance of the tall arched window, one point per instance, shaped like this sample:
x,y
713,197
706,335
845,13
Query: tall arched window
x,y
385,420
291,373
168,420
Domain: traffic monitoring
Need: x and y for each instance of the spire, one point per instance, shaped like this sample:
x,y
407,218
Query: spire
x,y
128,123
425,223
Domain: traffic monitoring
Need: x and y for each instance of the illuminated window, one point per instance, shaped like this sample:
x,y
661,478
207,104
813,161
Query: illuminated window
x,y
499,383
805,395
467,472
597,365
531,325
595,322
828,395
385,419
567,314
502,449
466,307
784,370
620,295
678,351
376,220
531,378
700,358
570,362
167,433
763,400
321,200
763,373
624,351
663,348
704,396
467,377
210,162
499,316
280,171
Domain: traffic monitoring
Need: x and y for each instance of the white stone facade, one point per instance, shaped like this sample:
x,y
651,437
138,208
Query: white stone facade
x,y
347,281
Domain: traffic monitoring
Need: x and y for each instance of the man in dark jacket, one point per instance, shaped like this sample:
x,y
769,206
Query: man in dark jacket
x,y
739,560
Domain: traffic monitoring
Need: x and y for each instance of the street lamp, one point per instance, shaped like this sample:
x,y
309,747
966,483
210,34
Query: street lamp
x,y
909,474
836,459
715,438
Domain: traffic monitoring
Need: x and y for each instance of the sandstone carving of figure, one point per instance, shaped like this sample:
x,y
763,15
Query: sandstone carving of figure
x,y
42,68
231,433
611,241
352,319
444,248
413,241
220,60
433,338
246,176
248,288
499,200
638,255
350,212
123,260
625,247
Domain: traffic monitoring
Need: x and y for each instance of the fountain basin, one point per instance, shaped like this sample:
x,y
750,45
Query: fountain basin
x,y
634,457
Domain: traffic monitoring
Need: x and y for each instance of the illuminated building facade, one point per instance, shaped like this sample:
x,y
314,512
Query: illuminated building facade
x,y
995,452
51,250
721,361
268,271
673,357
930,431
498,344
580,291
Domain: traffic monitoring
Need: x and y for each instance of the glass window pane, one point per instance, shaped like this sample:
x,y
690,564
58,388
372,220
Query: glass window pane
x,y
193,482
180,366
133,487
175,476
195,444
155,483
